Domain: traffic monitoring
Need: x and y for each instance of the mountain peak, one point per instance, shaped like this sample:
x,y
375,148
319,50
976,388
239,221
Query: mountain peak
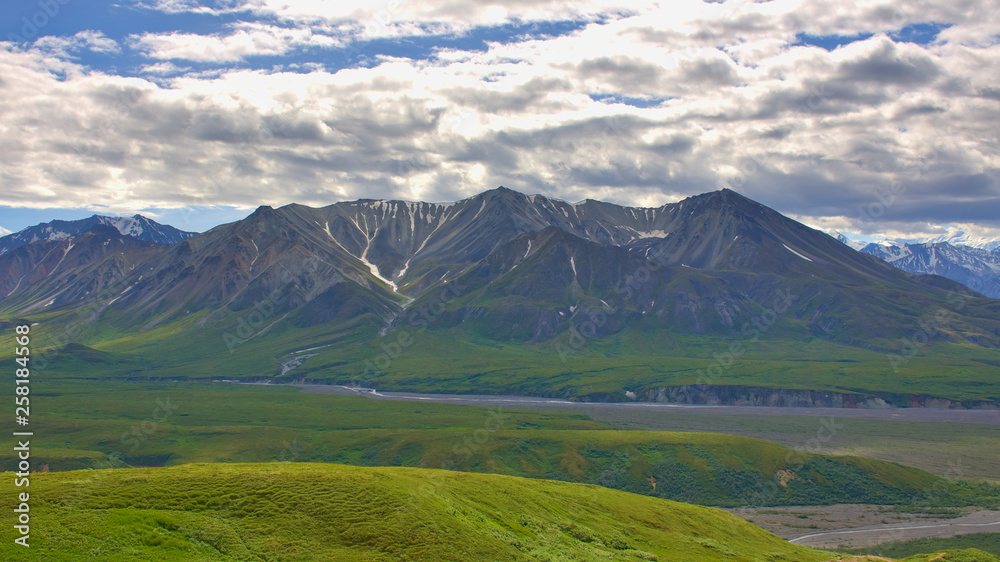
x,y
731,196
502,191
721,198
105,230
263,211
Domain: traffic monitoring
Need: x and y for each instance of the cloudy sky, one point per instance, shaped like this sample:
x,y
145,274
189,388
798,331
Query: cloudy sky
x,y
878,118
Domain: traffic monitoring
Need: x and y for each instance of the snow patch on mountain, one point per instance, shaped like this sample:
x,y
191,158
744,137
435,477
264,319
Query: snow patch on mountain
x,y
796,253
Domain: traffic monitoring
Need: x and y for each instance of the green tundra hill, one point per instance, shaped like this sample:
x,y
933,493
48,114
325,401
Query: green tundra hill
x,y
283,511
335,512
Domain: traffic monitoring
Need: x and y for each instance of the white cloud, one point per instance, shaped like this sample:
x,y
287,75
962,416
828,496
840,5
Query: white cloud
x,y
709,21
165,68
90,40
217,7
248,39
824,136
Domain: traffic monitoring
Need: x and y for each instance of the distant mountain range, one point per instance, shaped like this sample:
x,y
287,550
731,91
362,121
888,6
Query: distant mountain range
x,y
963,238
955,237
977,268
647,295
137,226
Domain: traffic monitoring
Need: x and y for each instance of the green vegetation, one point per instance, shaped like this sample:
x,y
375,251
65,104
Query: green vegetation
x,y
331,512
951,450
967,555
986,542
121,424
639,362
203,346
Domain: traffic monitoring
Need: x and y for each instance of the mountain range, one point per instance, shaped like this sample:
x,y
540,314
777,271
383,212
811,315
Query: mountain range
x,y
137,226
459,296
977,268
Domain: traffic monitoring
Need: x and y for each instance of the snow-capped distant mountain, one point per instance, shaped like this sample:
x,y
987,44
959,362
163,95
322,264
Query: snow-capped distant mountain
x,y
848,242
965,238
957,235
976,268
136,226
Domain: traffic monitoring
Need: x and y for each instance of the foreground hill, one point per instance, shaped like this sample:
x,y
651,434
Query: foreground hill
x,y
331,512
287,511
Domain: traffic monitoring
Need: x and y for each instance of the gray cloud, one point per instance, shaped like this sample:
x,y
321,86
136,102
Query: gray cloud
x,y
813,133
532,94
621,72
888,66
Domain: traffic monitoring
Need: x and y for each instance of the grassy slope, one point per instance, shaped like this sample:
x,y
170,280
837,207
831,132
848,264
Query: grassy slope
x,y
202,347
614,365
89,425
333,512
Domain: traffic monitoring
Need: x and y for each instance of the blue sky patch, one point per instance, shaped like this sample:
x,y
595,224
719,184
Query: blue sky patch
x,y
828,42
919,33
627,100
